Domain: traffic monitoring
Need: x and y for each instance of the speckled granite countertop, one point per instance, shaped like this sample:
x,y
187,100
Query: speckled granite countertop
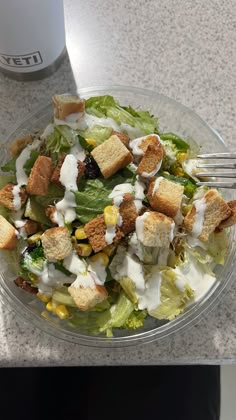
x,y
183,49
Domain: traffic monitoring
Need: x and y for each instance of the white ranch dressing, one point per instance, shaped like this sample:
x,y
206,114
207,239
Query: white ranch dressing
x,y
151,298
157,184
133,269
117,195
154,172
65,208
21,176
199,281
77,266
139,188
48,130
98,270
110,234
139,226
200,206
120,190
172,230
136,143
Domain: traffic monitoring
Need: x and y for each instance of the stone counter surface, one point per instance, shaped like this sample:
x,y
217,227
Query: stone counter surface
x,y
183,49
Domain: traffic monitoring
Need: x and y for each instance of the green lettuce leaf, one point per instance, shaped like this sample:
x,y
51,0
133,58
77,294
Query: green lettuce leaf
x,y
92,197
9,166
30,162
179,143
61,140
54,194
97,132
173,300
107,106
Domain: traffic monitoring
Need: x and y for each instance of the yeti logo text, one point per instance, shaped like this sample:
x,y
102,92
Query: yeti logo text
x,y
26,60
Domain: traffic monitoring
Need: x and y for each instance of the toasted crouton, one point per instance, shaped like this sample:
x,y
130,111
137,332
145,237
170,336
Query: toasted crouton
x,y
128,213
50,212
7,196
111,156
231,220
56,243
55,178
140,145
19,144
95,230
65,105
40,176
151,161
155,229
165,196
123,137
30,227
87,297
207,212
8,236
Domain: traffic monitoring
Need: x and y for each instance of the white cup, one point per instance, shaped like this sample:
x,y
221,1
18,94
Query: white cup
x,y
32,37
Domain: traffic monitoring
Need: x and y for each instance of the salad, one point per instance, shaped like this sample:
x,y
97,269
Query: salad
x,y
103,221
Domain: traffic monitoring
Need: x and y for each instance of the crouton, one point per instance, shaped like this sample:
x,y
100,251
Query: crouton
x,y
19,144
128,213
140,145
23,284
7,196
30,227
56,173
206,214
95,230
165,196
40,176
123,137
56,243
65,105
231,220
111,156
87,297
55,178
151,161
50,213
155,229
8,238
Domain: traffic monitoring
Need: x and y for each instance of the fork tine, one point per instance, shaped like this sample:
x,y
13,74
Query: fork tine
x,y
226,155
217,165
216,174
231,185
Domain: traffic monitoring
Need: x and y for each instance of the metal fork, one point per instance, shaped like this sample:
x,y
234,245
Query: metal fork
x,y
215,174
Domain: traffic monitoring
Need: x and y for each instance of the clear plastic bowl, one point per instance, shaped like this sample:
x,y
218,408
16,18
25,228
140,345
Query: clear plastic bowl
x,y
173,117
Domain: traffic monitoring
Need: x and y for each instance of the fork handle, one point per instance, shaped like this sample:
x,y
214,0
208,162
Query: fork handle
x,y
226,155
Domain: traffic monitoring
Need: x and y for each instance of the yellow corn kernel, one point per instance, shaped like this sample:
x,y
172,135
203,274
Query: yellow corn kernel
x,y
35,238
84,250
45,315
62,312
182,156
50,306
178,172
43,297
80,233
109,249
102,256
91,142
111,214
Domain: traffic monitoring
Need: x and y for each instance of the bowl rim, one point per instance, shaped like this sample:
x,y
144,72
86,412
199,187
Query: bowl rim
x,y
182,321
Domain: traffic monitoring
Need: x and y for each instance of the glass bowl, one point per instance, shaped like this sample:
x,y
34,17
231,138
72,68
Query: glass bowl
x,y
173,117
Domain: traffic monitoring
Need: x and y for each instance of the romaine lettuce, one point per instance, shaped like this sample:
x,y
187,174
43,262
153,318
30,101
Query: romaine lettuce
x,y
107,106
